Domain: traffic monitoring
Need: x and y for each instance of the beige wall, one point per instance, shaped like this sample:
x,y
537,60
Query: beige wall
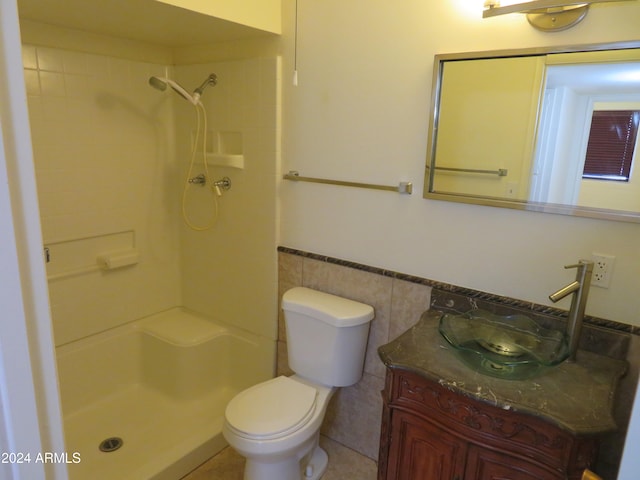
x,y
360,113
488,131
229,271
111,154
103,149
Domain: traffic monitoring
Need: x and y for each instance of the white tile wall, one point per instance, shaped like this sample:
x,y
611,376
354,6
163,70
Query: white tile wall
x,y
230,271
103,147
111,154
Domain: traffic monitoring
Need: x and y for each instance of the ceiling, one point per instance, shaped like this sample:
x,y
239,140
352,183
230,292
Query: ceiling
x,y
142,20
597,78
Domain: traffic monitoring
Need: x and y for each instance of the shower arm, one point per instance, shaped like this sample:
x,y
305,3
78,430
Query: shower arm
x,y
160,83
212,79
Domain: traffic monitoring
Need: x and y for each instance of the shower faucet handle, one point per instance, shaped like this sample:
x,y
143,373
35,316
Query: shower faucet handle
x,y
198,180
223,184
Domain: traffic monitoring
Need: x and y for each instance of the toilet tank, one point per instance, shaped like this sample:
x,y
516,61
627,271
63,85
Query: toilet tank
x,y
326,336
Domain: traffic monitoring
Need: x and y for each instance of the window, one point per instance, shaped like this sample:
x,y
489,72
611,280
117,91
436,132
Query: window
x,y
611,145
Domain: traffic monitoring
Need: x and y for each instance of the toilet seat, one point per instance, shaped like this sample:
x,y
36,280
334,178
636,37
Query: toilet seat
x,y
271,409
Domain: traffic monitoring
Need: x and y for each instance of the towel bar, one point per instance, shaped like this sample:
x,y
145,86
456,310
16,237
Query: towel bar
x,y
501,172
402,187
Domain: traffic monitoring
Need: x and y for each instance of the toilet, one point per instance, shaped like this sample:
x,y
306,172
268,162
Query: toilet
x,y
275,425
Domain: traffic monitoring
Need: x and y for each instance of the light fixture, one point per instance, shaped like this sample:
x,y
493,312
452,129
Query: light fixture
x,y
546,15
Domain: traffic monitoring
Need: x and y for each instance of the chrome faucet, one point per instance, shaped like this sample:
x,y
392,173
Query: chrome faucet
x,y
580,288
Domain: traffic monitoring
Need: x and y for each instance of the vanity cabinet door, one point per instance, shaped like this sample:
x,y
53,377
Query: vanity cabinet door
x,y
430,432
485,464
423,451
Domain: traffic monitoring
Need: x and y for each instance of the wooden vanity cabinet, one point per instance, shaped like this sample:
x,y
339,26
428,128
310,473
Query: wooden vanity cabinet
x,y
431,432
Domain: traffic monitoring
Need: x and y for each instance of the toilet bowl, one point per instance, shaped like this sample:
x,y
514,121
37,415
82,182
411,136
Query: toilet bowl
x,y
276,424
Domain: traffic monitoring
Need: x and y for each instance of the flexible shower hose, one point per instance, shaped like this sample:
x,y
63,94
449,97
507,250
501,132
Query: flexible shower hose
x,y
214,217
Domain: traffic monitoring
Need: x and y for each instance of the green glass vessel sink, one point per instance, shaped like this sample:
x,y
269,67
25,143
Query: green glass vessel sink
x,y
512,347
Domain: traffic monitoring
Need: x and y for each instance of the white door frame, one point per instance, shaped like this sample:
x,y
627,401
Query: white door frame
x,y
30,414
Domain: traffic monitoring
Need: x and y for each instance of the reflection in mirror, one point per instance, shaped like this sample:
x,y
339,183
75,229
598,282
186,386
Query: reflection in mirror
x,y
593,94
538,130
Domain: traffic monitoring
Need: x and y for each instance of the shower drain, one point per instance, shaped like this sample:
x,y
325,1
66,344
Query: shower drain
x,y
110,444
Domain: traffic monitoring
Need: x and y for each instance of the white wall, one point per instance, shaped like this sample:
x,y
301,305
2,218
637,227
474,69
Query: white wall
x,y
105,166
361,113
262,14
230,270
110,157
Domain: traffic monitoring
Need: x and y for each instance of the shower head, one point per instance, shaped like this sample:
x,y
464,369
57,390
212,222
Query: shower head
x,y
158,83
161,83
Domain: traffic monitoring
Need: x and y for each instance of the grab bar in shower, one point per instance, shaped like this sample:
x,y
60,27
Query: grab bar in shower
x,y
402,187
501,172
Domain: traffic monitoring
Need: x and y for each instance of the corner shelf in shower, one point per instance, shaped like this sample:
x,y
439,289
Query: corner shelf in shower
x,y
226,160
223,149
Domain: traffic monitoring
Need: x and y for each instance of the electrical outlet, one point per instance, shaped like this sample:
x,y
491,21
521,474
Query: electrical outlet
x,y
602,269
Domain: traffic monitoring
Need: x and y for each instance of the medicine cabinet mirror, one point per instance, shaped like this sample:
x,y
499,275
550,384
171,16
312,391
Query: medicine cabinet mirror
x,y
551,130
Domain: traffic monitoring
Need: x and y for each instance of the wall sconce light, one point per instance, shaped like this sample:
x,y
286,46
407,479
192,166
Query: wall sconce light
x,y
546,15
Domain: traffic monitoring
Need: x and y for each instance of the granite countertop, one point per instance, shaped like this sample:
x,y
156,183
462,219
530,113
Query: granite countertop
x,y
577,397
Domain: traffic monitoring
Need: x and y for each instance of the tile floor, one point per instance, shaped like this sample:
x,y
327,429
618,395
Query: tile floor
x,y
343,463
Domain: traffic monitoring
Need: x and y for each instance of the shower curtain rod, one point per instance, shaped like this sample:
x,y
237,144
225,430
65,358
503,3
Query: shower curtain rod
x,y
402,187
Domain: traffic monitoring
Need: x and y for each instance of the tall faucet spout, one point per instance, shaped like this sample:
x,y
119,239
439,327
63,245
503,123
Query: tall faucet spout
x,y
580,289
564,291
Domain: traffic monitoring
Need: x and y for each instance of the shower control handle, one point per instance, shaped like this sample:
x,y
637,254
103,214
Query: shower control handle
x,y
198,180
218,186
224,184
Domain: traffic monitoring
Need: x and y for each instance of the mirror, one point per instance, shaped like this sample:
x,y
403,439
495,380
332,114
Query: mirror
x,y
552,130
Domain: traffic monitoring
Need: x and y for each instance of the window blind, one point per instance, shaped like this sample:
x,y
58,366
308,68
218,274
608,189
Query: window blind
x,y
612,140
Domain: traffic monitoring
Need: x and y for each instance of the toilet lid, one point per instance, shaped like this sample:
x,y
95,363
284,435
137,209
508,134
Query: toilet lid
x,y
271,409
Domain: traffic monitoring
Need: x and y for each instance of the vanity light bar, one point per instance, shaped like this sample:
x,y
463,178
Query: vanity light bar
x,y
539,6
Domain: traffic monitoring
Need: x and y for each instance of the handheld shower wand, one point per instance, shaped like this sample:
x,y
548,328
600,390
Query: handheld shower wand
x,y
216,188
160,83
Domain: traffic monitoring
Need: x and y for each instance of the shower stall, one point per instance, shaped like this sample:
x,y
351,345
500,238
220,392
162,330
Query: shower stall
x,y
156,325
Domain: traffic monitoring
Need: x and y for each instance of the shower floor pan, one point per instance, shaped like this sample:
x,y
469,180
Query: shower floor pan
x,y
161,438
161,385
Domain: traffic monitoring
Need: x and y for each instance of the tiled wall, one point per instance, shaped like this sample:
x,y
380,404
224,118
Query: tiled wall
x,y
111,154
230,271
103,152
353,417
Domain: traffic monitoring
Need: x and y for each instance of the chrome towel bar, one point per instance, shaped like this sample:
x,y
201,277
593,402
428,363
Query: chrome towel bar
x,y
402,187
501,172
